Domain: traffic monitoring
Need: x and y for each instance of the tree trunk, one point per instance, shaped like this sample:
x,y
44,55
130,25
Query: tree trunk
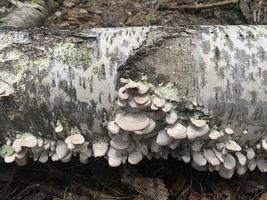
x,y
60,77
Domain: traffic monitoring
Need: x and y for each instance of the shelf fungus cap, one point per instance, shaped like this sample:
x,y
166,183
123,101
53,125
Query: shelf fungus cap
x,y
211,157
177,131
121,103
114,161
28,140
194,132
241,169
167,107
242,160
186,157
77,139
123,93
61,149
135,157
132,121
252,164
199,158
119,143
163,139
158,102
142,88
10,159
218,154
197,122
229,131
100,148
226,173
113,127
59,127
250,153
214,134
141,99
262,165
264,144
171,117
231,145
151,126
229,161
43,157
16,145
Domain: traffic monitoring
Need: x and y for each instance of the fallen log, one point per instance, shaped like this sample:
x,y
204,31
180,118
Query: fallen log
x,y
197,93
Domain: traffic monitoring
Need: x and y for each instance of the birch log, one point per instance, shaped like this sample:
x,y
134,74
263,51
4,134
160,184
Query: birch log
x,y
197,93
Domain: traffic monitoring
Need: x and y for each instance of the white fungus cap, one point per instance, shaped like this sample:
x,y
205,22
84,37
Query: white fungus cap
x,y
114,161
229,162
59,127
211,157
231,145
250,153
28,140
197,122
151,126
262,165
196,145
123,93
141,99
167,107
198,167
174,144
264,144
135,157
241,169
163,139
113,127
132,121
43,157
10,159
142,88
242,160
229,131
77,139
100,148
199,159
214,134
226,173
186,157
67,158
252,164
158,102
177,131
61,149
194,132
16,145
119,142
171,117
22,153
218,154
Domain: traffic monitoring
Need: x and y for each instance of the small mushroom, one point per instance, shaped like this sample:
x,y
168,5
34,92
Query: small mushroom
x,y
163,138
186,157
61,149
229,131
119,143
141,99
231,145
193,132
59,127
171,117
264,144
262,165
241,158
151,126
174,144
167,107
123,93
10,159
132,121
214,134
197,122
142,88
135,157
220,146
153,107
252,164
77,139
198,167
218,154
226,173
43,157
199,158
229,162
158,102
100,148
250,153
211,157
28,140
114,161
241,169
16,145
177,131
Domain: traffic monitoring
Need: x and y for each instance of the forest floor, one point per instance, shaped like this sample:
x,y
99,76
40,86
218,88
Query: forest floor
x,y
156,179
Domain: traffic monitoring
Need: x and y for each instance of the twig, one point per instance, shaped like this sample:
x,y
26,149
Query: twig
x,y
201,6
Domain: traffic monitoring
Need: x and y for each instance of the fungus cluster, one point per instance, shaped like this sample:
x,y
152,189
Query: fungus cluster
x,y
148,124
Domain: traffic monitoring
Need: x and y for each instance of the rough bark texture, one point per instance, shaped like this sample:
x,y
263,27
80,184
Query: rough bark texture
x,y
73,77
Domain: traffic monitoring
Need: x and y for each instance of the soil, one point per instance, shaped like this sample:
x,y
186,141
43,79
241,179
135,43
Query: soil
x,y
154,179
